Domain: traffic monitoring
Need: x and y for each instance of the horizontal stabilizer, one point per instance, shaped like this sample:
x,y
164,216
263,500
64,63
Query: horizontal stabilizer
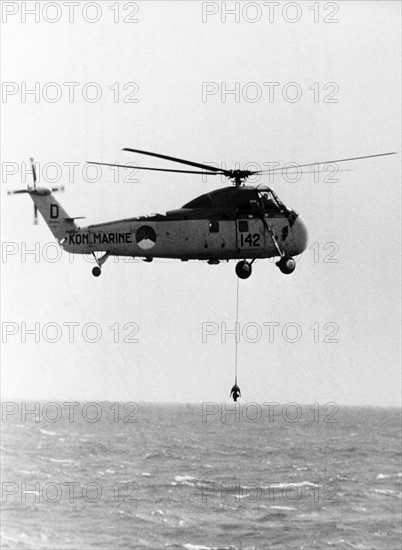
x,y
75,218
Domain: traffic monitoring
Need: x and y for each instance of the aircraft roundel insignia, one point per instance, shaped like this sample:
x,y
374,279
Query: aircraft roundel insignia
x,y
145,237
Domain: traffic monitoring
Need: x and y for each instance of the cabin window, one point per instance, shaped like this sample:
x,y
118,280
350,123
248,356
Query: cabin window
x,y
243,226
214,227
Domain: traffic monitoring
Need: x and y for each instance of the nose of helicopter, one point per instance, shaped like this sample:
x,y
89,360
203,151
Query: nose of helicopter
x,y
300,235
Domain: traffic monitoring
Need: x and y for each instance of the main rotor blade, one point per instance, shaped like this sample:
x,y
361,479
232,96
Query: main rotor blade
x,y
156,169
324,162
303,172
17,192
174,159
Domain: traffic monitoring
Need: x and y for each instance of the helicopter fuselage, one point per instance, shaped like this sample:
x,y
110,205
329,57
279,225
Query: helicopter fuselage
x,y
191,239
243,223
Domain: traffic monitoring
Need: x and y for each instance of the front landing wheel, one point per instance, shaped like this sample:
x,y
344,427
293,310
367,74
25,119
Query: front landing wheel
x,y
243,270
287,265
96,271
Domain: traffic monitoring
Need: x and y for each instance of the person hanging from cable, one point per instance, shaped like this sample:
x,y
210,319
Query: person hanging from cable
x,y
235,392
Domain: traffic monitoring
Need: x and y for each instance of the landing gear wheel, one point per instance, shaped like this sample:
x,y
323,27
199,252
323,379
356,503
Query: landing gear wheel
x,y
287,265
96,271
243,270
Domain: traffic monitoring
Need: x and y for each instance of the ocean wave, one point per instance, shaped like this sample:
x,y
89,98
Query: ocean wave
x,y
47,432
286,485
388,492
190,546
188,480
388,476
290,508
184,478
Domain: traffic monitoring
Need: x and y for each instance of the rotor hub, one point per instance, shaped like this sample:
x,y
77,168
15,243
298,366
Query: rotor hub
x,y
239,176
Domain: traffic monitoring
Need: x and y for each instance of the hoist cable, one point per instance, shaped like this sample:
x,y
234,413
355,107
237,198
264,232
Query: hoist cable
x,y
236,328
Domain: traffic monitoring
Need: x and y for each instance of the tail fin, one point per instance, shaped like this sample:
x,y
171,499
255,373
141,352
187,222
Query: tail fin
x,y
53,213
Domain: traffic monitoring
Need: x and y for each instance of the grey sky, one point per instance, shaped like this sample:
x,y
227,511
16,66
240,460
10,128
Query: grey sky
x,y
169,54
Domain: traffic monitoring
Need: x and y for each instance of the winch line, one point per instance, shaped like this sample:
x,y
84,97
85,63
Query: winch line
x,y
236,327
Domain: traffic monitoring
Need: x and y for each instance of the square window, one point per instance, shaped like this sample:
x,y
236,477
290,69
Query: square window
x,y
214,227
243,226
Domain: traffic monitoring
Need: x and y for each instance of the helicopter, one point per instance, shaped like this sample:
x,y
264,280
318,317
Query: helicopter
x,y
239,222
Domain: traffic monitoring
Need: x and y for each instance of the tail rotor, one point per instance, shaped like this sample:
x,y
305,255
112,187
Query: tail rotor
x,y
32,189
33,172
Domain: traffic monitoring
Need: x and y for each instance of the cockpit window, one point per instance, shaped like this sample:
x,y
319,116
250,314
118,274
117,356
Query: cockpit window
x,y
268,202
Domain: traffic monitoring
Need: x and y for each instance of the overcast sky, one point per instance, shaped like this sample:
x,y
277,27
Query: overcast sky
x,y
148,79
